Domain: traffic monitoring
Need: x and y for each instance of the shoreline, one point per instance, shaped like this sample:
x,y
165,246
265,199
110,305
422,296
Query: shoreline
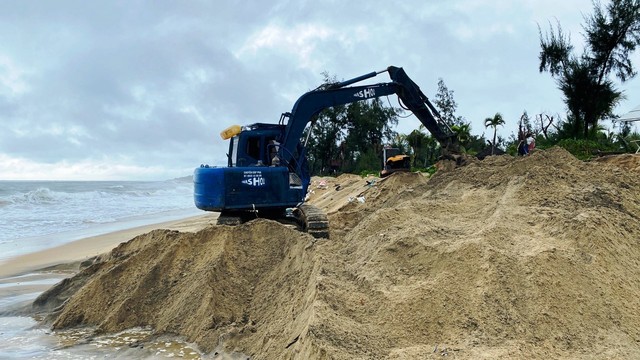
x,y
83,249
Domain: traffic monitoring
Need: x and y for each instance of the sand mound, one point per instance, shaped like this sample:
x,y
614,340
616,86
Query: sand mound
x,y
219,284
530,257
629,162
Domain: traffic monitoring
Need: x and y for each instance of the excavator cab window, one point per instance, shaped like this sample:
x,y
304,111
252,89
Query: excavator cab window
x,y
253,147
257,150
272,148
233,151
245,150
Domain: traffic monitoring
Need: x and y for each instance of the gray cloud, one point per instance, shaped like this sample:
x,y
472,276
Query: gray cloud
x,y
153,83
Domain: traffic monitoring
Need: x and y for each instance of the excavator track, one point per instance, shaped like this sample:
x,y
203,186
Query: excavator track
x,y
308,218
230,219
313,220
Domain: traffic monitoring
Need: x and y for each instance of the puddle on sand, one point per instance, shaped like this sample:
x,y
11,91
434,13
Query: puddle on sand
x,y
23,337
138,343
135,343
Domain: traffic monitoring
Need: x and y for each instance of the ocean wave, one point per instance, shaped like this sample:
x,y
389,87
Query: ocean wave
x,y
37,196
185,179
33,209
102,220
46,196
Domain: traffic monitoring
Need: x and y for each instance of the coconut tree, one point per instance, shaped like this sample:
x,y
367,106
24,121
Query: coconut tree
x,y
494,122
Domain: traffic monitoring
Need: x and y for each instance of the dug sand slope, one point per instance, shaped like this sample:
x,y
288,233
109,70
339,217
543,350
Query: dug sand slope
x,y
532,257
217,286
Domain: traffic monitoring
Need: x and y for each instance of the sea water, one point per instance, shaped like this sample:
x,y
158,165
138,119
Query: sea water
x,y
36,215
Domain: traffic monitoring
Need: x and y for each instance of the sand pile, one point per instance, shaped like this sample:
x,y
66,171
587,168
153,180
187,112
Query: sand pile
x,y
530,257
221,284
629,162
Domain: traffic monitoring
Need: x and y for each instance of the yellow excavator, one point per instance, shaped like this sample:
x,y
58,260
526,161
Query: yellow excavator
x,y
394,160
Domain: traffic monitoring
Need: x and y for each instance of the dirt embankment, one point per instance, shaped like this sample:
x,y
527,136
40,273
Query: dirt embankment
x,y
532,257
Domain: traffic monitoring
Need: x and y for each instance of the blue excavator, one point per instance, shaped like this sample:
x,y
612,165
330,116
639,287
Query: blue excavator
x,y
267,173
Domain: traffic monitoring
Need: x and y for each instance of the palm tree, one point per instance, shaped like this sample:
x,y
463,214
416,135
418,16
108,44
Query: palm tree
x,y
463,132
494,122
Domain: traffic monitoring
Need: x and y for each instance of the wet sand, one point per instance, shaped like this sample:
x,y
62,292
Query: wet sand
x,y
63,257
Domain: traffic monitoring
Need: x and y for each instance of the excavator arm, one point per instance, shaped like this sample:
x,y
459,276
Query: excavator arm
x,y
417,102
408,92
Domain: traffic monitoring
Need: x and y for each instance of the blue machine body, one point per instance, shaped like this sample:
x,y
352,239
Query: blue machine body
x,y
252,180
218,189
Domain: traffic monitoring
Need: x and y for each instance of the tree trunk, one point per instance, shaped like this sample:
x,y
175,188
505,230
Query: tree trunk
x,y
493,144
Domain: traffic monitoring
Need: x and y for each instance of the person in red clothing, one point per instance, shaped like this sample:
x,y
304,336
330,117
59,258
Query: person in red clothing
x,y
531,143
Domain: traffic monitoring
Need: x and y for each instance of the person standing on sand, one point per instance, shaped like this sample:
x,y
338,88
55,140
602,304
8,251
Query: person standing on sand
x,y
531,143
523,148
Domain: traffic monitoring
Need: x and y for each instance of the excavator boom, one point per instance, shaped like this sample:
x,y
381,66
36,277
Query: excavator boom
x,y
410,95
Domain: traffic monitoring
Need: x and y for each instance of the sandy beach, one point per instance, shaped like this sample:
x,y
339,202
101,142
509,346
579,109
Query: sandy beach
x,y
86,248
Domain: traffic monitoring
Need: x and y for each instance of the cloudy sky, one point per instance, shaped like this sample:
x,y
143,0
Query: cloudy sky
x,y
140,90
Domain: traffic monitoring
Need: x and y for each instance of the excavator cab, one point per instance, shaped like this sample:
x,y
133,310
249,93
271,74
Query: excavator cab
x,y
255,145
256,177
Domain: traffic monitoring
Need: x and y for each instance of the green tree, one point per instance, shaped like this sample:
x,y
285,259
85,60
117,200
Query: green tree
x,y
351,135
369,125
327,131
425,150
524,126
446,105
463,131
399,141
611,35
494,122
416,140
